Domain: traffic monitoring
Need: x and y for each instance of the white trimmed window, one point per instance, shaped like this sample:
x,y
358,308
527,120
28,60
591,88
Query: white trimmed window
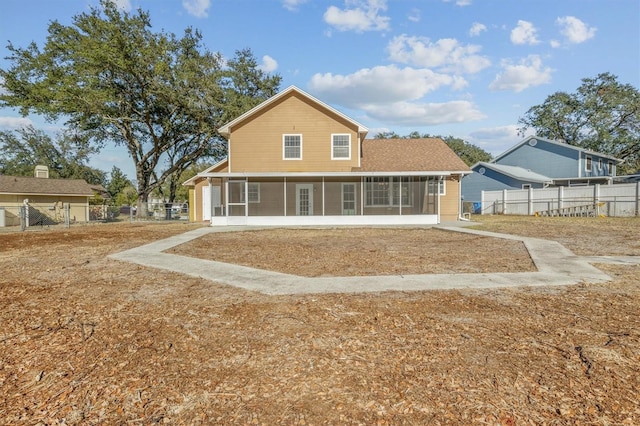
x,y
612,170
587,163
341,147
386,191
292,147
442,186
254,192
599,163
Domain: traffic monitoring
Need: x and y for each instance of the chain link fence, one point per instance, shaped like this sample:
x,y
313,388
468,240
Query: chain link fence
x,y
39,216
32,216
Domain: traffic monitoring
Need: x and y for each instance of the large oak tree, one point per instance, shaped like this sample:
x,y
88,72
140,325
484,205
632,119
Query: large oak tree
x,y
603,115
113,79
66,155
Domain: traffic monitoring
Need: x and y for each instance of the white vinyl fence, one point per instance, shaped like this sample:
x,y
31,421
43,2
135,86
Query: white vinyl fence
x,y
609,200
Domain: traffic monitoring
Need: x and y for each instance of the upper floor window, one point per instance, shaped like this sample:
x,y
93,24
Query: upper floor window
x,y
587,163
612,170
292,147
341,147
599,163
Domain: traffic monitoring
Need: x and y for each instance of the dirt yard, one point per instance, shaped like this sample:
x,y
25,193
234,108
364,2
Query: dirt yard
x,y
361,251
89,340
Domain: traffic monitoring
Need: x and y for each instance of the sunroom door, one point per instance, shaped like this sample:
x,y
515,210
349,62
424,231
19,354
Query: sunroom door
x,y
236,202
348,198
304,199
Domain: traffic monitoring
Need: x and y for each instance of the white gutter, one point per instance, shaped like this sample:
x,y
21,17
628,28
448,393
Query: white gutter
x,y
330,174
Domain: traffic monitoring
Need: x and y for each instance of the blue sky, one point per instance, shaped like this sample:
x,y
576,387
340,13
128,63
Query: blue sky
x,y
465,68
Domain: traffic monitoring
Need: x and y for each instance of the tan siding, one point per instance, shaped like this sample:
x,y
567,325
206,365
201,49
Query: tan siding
x,y
197,204
256,145
450,203
192,210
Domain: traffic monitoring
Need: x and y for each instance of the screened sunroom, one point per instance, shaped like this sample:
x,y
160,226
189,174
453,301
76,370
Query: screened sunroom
x,y
307,199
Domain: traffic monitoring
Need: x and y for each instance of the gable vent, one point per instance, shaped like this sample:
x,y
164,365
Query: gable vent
x,y
41,172
533,142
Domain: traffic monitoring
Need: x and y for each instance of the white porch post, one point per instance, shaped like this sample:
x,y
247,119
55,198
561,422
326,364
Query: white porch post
x,y
285,195
211,208
226,197
322,195
361,195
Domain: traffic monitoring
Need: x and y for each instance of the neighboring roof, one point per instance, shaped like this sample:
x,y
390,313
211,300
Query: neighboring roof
x,y
514,172
226,129
628,178
100,190
566,145
406,155
20,185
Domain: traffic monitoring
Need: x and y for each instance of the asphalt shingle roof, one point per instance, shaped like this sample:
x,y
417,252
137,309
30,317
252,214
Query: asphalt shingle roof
x,y
42,186
515,172
409,155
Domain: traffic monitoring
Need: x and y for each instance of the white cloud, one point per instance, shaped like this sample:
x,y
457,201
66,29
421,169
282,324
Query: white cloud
x,y
197,8
14,123
497,140
529,72
574,30
392,95
124,5
501,132
292,5
524,33
364,16
460,3
381,84
268,64
476,29
414,16
447,54
424,114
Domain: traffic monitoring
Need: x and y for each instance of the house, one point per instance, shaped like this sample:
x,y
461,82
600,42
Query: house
x,y
46,198
537,162
294,160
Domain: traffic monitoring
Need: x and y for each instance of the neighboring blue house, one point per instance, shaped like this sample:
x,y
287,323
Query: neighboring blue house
x,y
537,163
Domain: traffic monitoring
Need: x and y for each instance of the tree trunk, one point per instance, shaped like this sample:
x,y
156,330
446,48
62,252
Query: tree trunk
x,y
143,198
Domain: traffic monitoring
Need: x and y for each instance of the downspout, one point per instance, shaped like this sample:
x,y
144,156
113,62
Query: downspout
x,y
439,200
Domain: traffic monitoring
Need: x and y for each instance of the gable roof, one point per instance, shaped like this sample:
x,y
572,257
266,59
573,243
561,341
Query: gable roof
x,y
225,130
219,165
20,185
563,144
514,172
408,155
